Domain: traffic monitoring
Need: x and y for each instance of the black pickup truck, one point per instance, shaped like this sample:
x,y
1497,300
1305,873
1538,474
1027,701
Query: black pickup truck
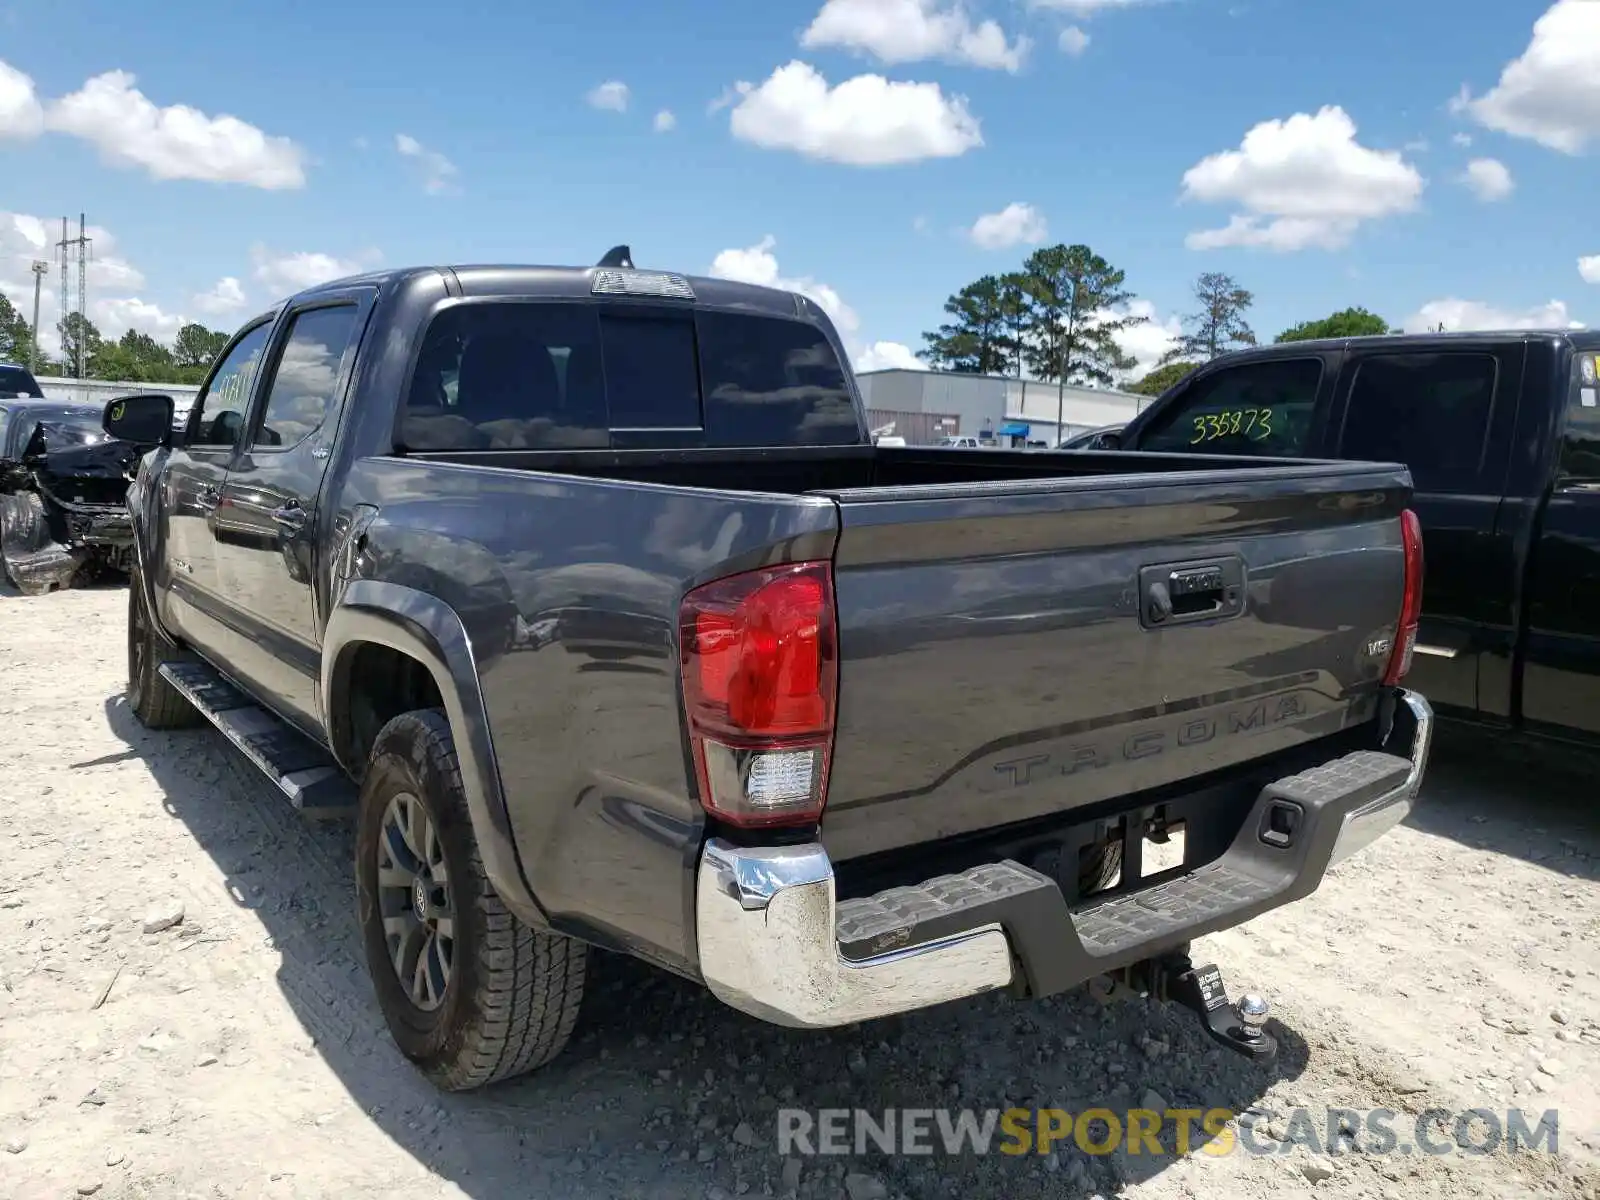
x,y
1501,431
586,591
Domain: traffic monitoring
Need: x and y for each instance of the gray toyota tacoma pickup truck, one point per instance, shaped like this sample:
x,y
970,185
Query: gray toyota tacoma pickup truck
x,y
587,594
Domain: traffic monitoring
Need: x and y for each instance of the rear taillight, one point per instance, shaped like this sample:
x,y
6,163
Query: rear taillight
x,y
1405,636
759,658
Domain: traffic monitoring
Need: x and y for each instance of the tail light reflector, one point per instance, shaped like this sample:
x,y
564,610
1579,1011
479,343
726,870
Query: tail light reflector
x,y
759,656
1405,635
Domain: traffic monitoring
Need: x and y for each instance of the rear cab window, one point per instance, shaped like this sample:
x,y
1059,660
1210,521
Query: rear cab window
x,y
514,374
1261,408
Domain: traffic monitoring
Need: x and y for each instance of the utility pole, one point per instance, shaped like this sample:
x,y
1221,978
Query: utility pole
x,y
41,268
75,250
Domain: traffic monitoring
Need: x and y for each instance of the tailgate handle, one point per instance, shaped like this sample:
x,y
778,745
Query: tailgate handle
x,y
1181,592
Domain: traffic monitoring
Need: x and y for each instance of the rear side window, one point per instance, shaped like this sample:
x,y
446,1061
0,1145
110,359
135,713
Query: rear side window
x,y
535,375
1428,411
1262,408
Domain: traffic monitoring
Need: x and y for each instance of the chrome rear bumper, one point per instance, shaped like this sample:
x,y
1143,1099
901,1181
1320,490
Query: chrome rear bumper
x,y
767,918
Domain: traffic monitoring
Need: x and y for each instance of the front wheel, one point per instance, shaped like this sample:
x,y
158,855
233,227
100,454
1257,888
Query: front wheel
x,y
471,995
156,703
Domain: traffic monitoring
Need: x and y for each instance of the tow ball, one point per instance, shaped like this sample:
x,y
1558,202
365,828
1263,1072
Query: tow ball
x,y
1174,979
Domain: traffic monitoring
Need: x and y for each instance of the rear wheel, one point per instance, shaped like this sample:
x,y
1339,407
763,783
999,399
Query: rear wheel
x,y
471,995
156,703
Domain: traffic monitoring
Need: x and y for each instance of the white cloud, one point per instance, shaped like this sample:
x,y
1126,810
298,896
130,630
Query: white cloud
x,y
226,296
1014,225
1148,339
903,31
21,115
757,264
888,356
1304,181
285,274
1551,94
1461,139
113,274
176,142
1488,178
1073,41
1589,268
864,121
116,315
437,170
611,96
1086,8
665,122
24,239
1456,314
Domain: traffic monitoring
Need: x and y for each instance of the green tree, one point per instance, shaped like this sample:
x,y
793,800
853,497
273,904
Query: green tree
x,y
1219,326
16,339
1071,334
974,342
1162,378
1016,311
135,357
1072,328
80,342
196,346
1351,322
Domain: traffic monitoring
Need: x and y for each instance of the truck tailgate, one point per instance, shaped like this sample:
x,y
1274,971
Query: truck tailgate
x,y
999,660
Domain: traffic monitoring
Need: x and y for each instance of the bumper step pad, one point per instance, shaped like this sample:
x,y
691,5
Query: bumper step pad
x,y
1055,942
301,770
939,907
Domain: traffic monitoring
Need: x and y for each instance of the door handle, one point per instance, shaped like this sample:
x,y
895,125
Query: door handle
x,y
291,516
207,497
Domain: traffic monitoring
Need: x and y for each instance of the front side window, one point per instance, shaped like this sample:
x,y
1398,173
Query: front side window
x,y
1261,408
1429,411
302,392
219,411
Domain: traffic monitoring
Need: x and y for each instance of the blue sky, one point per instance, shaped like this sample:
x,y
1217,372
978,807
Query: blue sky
x,y
1431,160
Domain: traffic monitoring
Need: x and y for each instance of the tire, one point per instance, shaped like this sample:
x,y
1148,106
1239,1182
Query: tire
x,y
156,703
511,994
1098,866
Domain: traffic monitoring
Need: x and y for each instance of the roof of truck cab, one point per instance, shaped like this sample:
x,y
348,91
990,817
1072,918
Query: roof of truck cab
x,y
576,283
1583,338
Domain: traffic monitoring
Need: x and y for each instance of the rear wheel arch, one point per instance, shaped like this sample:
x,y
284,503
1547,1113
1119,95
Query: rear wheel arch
x,y
420,641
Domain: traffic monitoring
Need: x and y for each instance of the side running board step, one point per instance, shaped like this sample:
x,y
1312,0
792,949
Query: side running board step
x,y
303,771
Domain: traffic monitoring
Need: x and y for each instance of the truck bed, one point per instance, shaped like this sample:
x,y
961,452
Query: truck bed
x,y
995,666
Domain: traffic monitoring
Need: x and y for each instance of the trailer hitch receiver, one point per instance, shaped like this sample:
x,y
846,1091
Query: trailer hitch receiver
x,y
1174,979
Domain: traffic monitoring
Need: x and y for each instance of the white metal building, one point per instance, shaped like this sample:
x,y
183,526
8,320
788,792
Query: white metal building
x,y
1011,411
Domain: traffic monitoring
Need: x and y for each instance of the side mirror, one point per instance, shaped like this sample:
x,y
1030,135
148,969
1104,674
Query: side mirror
x,y
1108,441
144,419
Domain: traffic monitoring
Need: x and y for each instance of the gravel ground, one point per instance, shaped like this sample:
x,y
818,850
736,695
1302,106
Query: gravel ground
x,y
238,1052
